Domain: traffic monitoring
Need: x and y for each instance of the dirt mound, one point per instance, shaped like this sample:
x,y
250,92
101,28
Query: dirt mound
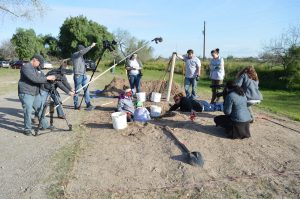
x,y
116,86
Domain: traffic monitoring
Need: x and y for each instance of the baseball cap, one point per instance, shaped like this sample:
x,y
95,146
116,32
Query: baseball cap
x,y
39,58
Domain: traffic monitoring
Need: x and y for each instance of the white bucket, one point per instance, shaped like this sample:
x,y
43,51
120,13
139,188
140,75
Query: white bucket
x,y
155,111
141,96
119,120
155,97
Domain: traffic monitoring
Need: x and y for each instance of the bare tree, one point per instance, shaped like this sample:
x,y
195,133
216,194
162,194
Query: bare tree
x,y
278,49
7,50
21,8
128,43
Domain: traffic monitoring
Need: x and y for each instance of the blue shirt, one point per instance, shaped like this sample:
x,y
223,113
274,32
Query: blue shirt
x,y
236,107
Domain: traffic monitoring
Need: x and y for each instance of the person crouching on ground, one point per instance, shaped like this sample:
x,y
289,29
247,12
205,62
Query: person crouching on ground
x,y
125,103
187,104
141,114
247,79
237,116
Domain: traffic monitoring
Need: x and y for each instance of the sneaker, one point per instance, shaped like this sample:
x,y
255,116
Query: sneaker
x,y
90,107
61,117
76,108
49,127
27,132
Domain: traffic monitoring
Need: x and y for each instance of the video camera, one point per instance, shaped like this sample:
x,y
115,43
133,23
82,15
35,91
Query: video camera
x,y
110,45
59,73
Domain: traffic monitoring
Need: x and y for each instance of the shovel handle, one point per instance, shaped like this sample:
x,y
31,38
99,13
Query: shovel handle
x,y
177,140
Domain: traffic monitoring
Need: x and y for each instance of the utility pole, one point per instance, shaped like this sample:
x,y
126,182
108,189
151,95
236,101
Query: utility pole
x,y
204,41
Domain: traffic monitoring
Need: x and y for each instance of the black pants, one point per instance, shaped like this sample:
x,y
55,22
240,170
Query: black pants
x,y
235,130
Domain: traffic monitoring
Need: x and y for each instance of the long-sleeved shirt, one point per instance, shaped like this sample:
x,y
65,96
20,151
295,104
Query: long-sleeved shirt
x,y
187,105
30,80
250,87
125,104
192,66
217,71
78,61
236,107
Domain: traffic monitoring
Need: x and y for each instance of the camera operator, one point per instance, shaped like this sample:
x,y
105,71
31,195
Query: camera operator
x,y
62,83
237,116
80,78
29,89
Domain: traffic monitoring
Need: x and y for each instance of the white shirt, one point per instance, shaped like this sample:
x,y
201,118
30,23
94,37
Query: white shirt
x,y
217,71
134,64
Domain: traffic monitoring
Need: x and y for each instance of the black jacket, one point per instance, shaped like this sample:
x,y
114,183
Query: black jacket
x,y
30,80
186,105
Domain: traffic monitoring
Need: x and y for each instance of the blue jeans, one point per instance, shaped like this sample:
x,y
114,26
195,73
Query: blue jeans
x,y
30,102
187,83
79,81
134,81
218,106
38,106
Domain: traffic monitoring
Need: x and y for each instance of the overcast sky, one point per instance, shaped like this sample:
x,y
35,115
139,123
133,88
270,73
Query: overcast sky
x,y
238,27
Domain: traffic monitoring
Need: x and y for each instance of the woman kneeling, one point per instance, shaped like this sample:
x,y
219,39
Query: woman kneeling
x,y
237,117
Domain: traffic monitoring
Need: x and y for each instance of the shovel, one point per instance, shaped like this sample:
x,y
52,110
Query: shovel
x,y
193,158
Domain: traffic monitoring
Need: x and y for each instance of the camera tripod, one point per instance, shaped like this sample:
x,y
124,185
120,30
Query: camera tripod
x,y
52,93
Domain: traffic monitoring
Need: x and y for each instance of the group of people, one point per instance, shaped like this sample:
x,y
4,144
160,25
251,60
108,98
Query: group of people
x,y
34,88
134,112
239,95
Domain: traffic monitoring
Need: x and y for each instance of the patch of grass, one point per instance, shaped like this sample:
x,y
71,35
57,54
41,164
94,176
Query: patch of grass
x,y
9,80
282,102
64,161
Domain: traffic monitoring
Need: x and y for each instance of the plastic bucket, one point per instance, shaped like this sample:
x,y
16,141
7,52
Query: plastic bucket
x,y
155,97
119,120
155,111
141,96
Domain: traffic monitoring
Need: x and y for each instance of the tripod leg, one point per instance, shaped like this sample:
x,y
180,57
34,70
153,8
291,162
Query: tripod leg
x,y
57,99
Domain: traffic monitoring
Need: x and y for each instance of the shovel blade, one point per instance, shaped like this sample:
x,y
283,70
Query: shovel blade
x,y
195,158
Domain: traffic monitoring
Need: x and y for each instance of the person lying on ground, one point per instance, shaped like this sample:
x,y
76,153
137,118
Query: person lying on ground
x,y
237,116
125,103
188,104
247,79
141,114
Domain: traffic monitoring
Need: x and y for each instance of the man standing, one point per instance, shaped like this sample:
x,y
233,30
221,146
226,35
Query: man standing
x,y
29,88
80,78
192,73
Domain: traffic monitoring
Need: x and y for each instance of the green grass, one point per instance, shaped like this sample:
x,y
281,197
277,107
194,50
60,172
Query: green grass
x,y
9,80
282,102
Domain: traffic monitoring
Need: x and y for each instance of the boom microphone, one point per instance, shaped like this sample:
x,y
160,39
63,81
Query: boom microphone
x,y
157,39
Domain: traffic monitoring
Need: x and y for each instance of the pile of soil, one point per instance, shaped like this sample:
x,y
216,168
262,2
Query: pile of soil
x,y
116,86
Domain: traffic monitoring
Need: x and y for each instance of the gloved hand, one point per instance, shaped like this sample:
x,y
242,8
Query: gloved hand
x,y
197,78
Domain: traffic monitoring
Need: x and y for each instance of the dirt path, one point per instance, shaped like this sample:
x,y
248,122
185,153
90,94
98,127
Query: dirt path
x,y
143,162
